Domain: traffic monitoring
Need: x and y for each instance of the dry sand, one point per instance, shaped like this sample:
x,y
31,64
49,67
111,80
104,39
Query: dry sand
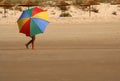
x,y
65,52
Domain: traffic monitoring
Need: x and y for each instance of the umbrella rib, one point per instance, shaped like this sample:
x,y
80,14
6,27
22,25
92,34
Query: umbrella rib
x,y
41,19
38,27
41,23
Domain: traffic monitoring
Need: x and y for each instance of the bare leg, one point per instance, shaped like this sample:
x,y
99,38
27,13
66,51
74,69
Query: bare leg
x,y
28,44
31,41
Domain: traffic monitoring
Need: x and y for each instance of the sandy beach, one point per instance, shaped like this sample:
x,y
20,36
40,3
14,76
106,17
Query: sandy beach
x,y
65,52
77,48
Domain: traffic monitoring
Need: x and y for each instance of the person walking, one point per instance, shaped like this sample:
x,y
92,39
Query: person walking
x,y
32,41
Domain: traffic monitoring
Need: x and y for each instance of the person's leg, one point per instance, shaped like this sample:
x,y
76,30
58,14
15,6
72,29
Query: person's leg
x,y
33,42
28,43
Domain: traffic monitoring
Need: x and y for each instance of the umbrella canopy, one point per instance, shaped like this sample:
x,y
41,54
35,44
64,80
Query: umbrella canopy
x,y
33,21
115,2
5,4
27,3
92,2
62,3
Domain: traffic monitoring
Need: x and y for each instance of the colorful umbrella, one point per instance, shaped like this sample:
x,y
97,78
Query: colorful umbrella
x,y
33,21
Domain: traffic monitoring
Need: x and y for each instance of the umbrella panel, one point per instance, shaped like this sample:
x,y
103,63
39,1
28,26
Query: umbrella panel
x,y
26,28
21,22
24,15
34,29
42,15
41,24
36,11
29,12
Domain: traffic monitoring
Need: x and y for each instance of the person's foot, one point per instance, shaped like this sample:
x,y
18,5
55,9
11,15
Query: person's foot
x,y
33,48
26,46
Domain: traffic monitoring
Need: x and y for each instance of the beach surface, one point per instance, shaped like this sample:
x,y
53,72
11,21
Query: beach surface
x,y
65,52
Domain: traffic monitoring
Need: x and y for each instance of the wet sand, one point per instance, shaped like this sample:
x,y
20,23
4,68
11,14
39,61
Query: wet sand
x,y
65,52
